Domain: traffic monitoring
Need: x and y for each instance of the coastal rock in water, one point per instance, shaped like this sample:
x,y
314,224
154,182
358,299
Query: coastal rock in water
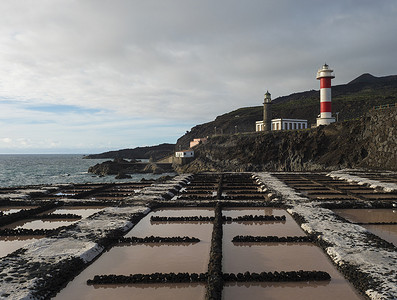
x,y
122,176
121,167
153,168
110,167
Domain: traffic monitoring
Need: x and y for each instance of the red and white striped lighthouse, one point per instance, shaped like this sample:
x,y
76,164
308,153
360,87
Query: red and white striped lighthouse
x,y
325,76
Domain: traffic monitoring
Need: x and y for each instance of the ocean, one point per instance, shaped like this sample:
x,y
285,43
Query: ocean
x,y
35,169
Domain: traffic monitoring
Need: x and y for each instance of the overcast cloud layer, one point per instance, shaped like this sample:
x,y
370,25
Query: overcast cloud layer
x,y
96,75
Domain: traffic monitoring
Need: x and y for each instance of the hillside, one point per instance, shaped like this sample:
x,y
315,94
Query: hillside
x,y
369,142
155,152
351,100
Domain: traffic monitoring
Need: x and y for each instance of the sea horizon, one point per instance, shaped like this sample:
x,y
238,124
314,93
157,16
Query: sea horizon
x,y
40,169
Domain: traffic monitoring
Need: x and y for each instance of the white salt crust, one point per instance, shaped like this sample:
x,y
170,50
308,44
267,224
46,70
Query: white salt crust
x,y
77,242
347,240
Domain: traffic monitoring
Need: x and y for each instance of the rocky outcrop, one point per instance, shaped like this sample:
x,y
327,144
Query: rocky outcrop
x,y
368,142
153,168
122,168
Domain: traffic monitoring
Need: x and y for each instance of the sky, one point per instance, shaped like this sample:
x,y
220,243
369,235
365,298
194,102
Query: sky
x,y
88,76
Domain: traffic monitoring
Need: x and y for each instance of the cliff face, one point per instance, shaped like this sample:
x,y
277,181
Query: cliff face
x,y
369,142
380,130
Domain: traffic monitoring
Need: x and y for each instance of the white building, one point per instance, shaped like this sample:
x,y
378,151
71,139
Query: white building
x,y
288,124
184,153
195,142
277,124
283,124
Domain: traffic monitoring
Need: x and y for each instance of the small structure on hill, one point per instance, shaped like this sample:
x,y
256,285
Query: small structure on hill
x,y
267,124
325,75
183,157
184,153
198,141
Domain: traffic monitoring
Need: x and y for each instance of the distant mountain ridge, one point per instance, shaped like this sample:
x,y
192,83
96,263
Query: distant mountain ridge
x,y
368,78
364,78
155,152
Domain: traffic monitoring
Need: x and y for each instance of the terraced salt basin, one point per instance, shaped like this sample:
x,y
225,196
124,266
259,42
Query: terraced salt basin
x,y
14,209
384,231
9,244
242,257
39,224
83,211
167,229
55,223
150,258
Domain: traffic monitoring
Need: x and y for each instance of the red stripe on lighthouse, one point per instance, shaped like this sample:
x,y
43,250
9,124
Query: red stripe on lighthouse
x,y
325,82
325,107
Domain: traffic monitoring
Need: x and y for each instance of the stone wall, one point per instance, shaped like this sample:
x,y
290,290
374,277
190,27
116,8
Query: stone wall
x,y
380,129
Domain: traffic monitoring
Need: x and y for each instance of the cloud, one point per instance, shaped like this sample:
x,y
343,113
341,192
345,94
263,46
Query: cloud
x,y
6,140
96,63
15,143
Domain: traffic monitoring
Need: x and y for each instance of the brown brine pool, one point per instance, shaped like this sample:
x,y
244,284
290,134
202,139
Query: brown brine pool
x,y
368,215
200,230
239,257
384,231
83,211
151,258
55,223
242,257
39,224
9,244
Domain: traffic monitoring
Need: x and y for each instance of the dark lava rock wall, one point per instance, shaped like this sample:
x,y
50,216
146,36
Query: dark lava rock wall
x,y
380,130
368,142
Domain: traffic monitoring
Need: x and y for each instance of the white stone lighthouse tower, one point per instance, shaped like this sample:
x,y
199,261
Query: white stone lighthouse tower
x,y
325,76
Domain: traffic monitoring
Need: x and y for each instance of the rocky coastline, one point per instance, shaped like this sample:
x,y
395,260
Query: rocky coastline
x,y
122,168
368,142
